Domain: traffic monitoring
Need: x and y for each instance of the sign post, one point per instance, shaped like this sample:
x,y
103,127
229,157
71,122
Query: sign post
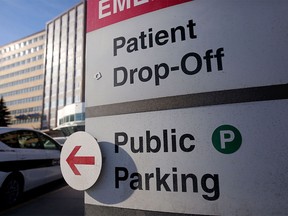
x,y
188,101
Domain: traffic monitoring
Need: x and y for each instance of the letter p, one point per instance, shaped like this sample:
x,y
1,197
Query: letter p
x,y
226,136
226,139
121,138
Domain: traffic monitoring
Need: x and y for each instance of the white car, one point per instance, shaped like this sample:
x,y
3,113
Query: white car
x,y
28,159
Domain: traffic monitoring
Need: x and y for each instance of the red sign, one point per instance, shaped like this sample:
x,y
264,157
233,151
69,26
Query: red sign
x,y
101,13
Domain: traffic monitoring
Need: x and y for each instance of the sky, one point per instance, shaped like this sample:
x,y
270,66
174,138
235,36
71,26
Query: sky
x,y
21,18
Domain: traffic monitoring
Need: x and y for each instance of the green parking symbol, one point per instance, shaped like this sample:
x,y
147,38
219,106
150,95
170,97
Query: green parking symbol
x,y
226,139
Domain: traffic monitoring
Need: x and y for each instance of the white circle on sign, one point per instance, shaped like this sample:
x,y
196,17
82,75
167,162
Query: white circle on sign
x,y
81,160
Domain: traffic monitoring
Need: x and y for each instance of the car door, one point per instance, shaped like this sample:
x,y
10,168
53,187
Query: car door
x,y
8,155
8,146
52,151
33,158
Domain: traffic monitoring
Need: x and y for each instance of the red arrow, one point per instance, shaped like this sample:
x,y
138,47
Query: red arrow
x,y
73,159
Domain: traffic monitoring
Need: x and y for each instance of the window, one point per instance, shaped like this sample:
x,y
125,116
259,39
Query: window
x,y
48,143
80,116
10,139
28,139
21,139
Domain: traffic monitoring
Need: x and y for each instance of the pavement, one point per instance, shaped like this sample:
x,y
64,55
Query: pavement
x,y
57,199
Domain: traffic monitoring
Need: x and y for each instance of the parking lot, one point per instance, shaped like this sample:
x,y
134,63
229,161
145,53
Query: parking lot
x,y
54,199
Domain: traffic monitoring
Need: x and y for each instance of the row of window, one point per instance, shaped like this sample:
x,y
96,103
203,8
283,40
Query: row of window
x,y
21,72
26,61
26,110
19,82
28,116
23,91
24,100
22,53
22,44
72,118
25,121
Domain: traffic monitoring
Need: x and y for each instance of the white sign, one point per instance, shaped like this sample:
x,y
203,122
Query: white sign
x,y
216,160
199,46
81,160
229,159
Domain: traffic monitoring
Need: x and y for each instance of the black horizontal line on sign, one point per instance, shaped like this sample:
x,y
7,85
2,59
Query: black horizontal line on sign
x,y
263,93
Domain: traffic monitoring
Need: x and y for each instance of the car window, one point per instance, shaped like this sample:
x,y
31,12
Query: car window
x,y
21,139
29,140
48,143
10,139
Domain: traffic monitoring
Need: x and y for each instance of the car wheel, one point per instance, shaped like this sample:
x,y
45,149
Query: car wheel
x,y
11,190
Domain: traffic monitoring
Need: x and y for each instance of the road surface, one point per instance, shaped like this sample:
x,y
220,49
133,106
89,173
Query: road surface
x,y
55,199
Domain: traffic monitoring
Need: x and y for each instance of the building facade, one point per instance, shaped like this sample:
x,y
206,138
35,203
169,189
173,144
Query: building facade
x,y
64,75
21,79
